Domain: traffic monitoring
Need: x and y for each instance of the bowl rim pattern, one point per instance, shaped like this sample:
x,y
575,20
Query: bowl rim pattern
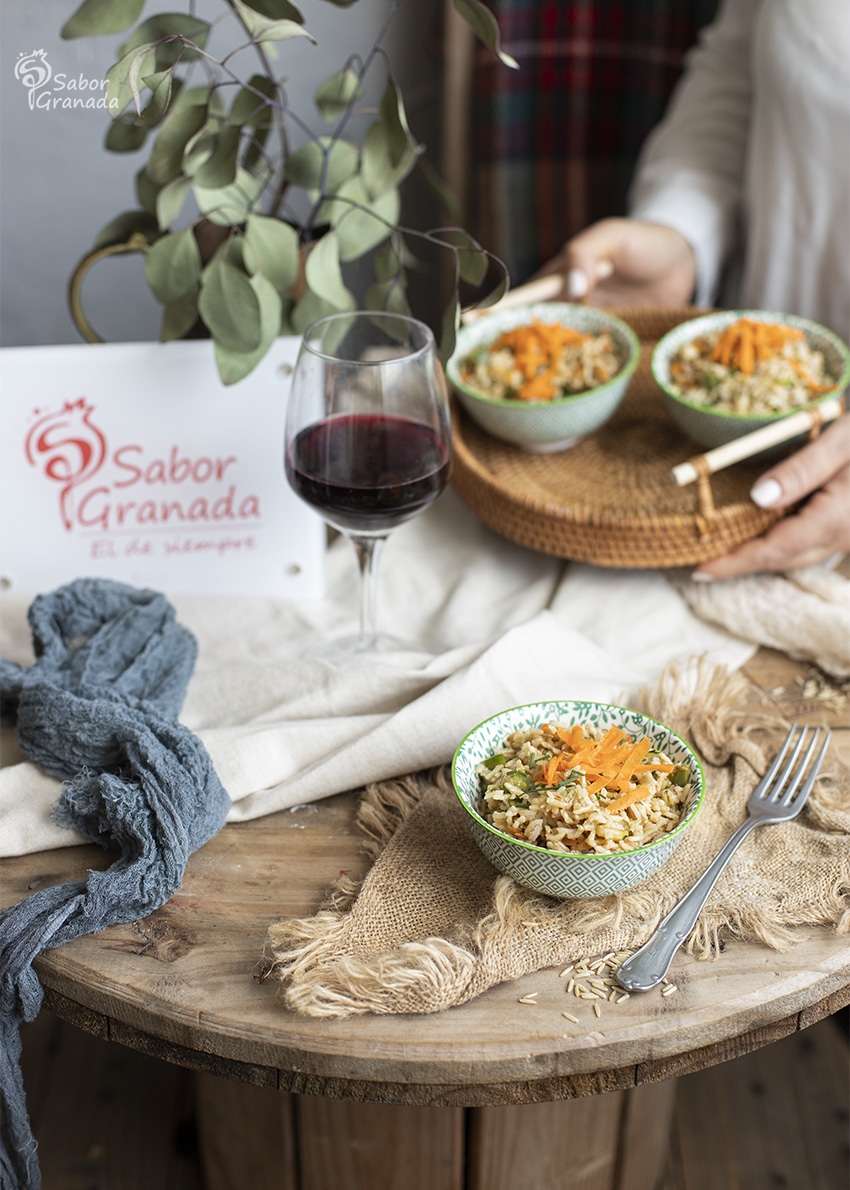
x,y
535,310
583,857
727,317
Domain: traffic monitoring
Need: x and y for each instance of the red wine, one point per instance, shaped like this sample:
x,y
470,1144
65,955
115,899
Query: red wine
x,y
365,472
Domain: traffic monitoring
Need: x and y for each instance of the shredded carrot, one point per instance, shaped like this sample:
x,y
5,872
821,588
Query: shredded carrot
x,y
552,769
610,762
636,794
746,342
537,349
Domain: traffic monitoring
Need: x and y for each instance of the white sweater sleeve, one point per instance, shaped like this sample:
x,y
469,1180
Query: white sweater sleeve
x,y
690,174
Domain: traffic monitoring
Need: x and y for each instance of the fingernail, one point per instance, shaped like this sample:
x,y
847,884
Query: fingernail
x,y
699,576
766,493
577,283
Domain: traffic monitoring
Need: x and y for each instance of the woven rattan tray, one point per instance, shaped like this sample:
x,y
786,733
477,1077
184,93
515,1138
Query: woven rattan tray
x,y
612,499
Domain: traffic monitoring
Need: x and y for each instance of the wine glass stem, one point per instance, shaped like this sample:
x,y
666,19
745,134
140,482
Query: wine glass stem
x,y
368,552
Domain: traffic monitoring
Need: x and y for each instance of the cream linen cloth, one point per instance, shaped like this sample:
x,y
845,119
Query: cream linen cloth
x,y
498,625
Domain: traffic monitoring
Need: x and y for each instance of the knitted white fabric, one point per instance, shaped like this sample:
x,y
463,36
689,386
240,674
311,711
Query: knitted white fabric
x,y
804,613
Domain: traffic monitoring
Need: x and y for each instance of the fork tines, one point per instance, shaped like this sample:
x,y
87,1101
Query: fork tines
x,y
781,789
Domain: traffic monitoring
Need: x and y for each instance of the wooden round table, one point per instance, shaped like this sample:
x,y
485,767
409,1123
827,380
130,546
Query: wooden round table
x,y
458,1099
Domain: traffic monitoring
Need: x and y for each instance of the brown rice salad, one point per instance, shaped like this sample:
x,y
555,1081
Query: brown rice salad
x,y
577,788
541,362
752,368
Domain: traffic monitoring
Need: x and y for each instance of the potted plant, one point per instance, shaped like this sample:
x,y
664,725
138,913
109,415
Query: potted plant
x,y
252,221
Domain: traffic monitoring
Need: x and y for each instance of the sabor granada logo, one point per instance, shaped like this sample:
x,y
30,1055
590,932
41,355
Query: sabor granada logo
x,y
127,489
69,448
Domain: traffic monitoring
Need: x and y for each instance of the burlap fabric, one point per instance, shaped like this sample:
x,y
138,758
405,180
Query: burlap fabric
x,y
434,924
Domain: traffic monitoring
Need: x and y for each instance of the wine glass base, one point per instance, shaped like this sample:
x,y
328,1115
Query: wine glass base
x,y
355,648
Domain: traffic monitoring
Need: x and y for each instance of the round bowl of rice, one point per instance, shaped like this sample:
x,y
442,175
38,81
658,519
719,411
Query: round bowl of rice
x,y
577,799
733,371
542,376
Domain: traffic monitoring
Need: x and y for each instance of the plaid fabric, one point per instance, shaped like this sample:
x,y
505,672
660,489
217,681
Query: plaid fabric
x,y
554,143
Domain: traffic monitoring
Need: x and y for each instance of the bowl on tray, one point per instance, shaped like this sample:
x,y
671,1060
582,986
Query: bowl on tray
x,y
764,376
484,763
548,422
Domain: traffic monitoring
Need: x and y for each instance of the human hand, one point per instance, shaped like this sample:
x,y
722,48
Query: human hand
x,y
821,527
624,262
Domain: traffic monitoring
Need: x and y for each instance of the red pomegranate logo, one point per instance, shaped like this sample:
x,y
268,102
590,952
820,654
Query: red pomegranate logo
x,y
69,448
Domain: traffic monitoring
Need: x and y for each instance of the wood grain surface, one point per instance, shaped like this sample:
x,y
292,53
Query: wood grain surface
x,y
179,985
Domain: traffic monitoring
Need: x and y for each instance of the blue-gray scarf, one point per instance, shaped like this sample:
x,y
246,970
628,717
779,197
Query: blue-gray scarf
x,y
98,709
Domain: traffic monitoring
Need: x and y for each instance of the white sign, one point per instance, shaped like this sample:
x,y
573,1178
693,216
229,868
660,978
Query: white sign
x,y
134,462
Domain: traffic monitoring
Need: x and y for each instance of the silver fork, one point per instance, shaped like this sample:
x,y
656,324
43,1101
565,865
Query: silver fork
x,y
777,798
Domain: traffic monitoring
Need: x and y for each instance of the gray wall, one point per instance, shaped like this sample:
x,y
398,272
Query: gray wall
x,y
59,186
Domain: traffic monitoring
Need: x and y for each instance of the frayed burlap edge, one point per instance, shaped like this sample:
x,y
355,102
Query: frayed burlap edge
x,y
352,958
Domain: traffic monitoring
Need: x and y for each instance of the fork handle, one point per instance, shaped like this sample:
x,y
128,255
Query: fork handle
x,y
648,965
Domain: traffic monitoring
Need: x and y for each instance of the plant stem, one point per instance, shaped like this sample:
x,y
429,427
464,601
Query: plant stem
x,y
368,551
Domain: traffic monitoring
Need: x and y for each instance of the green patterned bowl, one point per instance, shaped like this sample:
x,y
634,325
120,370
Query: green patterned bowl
x,y
544,426
558,873
712,427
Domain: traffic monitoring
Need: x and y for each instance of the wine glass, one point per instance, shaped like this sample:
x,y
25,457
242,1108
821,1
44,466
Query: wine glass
x,y
368,439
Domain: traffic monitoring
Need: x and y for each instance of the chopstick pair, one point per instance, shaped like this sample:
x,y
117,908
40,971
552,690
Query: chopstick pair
x,y
752,444
541,289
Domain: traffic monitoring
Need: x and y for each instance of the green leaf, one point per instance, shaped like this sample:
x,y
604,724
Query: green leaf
x,y
179,317
337,92
483,24
391,260
229,205
445,195
253,154
472,260
448,332
262,29
173,25
324,276
95,17
232,365
387,295
160,85
170,199
495,294
306,166
229,306
276,10
250,109
173,266
121,88
309,309
199,150
146,191
220,167
119,229
125,135
361,227
389,149
275,246
178,128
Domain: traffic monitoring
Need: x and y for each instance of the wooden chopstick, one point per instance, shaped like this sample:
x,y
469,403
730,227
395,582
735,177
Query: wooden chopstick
x,y
541,289
751,444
